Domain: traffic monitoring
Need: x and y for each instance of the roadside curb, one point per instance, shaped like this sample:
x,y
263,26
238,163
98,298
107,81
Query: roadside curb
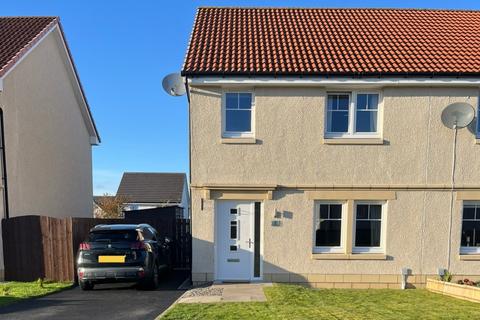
x,y
176,301
171,306
185,285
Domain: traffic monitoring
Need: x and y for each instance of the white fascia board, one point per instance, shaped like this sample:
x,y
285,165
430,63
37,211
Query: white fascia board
x,y
94,140
331,82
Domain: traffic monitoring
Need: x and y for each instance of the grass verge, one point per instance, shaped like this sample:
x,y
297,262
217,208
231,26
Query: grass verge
x,y
296,302
11,292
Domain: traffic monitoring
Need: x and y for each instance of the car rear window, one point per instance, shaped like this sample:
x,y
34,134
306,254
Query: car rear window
x,y
113,236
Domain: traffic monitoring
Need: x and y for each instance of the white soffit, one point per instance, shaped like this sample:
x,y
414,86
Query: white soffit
x,y
332,82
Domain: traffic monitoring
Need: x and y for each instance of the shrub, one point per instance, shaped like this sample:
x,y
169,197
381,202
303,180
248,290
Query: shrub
x,y
447,276
468,282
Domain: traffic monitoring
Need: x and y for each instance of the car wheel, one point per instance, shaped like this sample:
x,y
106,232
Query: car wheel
x,y
156,277
151,282
86,285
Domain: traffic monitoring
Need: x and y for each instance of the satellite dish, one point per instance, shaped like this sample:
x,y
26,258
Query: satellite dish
x,y
458,115
173,85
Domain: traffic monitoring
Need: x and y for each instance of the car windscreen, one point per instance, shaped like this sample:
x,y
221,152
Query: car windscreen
x,y
113,236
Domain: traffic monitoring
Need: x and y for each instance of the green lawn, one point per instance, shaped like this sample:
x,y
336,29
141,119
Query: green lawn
x,y
15,291
296,302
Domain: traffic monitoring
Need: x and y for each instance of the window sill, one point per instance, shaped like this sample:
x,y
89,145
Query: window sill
x,y
364,141
470,257
353,256
238,140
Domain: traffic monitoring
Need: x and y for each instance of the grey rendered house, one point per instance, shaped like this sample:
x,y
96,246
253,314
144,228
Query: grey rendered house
x,y
317,151
149,190
47,130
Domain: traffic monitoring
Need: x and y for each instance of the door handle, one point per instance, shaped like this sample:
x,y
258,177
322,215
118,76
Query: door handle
x,y
250,242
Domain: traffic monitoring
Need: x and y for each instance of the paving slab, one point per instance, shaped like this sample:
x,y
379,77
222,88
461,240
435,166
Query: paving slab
x,y
226,292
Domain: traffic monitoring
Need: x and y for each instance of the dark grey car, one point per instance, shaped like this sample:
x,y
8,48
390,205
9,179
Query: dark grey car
x,y
122,253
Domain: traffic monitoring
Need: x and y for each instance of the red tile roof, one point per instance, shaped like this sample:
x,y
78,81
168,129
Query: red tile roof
x,y
17,35
354,42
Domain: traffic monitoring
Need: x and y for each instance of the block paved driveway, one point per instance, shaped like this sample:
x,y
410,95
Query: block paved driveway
x,y
109,301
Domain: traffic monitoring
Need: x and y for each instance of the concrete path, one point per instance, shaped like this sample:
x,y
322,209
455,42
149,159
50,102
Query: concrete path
x,y
232,292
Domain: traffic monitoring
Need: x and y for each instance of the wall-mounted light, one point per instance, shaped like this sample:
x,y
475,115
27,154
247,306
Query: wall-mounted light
x,y
277,214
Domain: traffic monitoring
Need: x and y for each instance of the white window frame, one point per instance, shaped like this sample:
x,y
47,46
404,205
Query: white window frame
x,y
316,215
383,225
238,134
352,114
467,250
477,131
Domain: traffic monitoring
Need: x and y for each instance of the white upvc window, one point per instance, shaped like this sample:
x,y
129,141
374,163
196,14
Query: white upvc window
x,y
478,118
470,242
354,114
329,226
238,116
369,227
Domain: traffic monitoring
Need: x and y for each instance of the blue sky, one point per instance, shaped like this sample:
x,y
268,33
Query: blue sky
x,y
122,50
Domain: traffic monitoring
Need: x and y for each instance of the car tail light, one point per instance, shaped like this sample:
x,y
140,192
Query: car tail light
x,y
141,273
139,245
84,246
80,273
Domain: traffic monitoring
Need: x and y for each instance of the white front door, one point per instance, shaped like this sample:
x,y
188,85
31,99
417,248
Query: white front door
x,y
235,240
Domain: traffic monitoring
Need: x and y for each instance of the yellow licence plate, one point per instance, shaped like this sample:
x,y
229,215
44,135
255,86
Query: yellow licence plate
x,y
111,259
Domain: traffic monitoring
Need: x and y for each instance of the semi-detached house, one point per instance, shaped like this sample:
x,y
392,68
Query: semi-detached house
x,y
317,149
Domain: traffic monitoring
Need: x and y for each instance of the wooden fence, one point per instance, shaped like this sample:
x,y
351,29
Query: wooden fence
x,y
45,247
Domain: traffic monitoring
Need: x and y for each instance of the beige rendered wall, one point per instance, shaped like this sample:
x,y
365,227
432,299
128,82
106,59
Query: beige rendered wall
x,y
48,151
289,152
289,131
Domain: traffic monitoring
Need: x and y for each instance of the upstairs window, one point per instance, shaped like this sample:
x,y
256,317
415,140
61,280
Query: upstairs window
x,y
352,114
366,112
470,242
238,114
337,114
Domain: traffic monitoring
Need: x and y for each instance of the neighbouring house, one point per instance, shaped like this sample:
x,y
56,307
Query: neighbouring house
x,y
149,190
46,128
317,150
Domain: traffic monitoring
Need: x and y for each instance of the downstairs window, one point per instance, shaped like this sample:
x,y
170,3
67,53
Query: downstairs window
x,y
328,227
470,242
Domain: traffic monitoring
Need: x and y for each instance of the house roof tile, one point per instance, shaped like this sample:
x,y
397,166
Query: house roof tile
x,y
18,34
154,187
294,41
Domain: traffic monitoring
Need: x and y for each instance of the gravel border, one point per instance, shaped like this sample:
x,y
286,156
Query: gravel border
x,y
204,292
